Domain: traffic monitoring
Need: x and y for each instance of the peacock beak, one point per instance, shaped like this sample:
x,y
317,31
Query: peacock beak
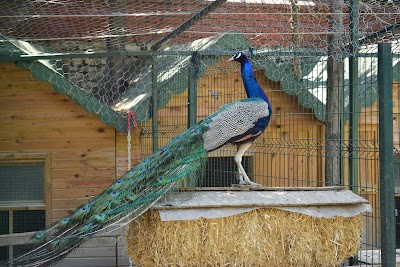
x,y
232,58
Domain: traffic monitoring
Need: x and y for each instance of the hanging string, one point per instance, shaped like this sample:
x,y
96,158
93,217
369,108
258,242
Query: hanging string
x,y
130,117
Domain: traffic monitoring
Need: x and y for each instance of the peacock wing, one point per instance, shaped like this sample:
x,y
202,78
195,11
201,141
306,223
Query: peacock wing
x,y
234,120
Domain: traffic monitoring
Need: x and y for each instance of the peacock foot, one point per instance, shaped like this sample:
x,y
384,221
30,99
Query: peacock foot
x,y
249,183
244,181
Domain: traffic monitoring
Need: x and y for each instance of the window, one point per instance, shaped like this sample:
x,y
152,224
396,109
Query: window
x,y
22,201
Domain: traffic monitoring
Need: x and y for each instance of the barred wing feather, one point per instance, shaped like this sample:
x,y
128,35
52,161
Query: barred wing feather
x,y
233,121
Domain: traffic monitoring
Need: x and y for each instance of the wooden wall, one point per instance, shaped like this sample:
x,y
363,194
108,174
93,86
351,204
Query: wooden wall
x,y
83,156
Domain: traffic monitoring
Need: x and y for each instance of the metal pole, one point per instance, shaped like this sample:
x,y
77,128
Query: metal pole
x,y
386,183
193,179
154,103
354,97
354,105
192,89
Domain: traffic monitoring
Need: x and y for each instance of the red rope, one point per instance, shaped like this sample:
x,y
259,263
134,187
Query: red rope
x,y
131,116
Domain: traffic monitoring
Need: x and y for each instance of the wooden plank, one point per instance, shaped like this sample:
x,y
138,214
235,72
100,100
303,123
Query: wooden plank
x,y
89,121
56,133
50,145
35,102
76,192
215,199
122,162
8,66
24,85
83,152
32,95
21,205
69,204
15,73
100,162
15,239
81,183
41,114
83,173
56,215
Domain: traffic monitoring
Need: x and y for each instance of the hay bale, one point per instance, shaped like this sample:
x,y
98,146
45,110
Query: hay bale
x,y
262,237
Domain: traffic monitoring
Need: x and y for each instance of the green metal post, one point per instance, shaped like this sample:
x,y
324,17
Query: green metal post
x,y
354,104
192,89
193,179
154,103
386,183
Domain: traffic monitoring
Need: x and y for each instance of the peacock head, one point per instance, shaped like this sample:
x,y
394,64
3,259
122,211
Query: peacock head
x,y
239,57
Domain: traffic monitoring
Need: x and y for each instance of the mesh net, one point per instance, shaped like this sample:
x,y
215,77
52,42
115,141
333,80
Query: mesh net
x,y
125,25
288,36
118,55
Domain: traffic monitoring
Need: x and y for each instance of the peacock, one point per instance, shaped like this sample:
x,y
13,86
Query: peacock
x,y
238,123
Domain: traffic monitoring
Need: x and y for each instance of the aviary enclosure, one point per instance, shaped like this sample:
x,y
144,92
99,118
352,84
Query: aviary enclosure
x,y
330,68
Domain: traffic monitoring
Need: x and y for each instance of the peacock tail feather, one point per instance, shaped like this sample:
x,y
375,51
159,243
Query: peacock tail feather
x,y
142,186
128,197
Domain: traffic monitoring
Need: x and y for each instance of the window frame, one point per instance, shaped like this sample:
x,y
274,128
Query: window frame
x,y
13,239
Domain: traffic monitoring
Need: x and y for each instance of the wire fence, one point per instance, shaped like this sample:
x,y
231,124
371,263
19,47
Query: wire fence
x,y
316,60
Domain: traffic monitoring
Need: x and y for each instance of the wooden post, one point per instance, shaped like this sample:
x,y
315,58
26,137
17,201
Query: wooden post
x,y
334,94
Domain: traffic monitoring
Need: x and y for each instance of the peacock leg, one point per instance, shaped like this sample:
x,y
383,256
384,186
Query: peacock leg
x,y
243,177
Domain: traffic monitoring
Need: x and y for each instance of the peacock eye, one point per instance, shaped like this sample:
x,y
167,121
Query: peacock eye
x,y
238,55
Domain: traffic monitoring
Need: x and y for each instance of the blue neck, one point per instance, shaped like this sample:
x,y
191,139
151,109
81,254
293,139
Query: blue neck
x,y
251,85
